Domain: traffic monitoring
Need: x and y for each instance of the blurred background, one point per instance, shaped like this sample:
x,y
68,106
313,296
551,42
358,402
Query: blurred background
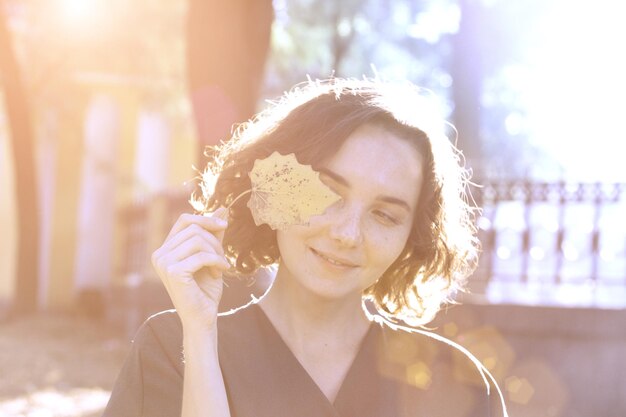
x,y
107,107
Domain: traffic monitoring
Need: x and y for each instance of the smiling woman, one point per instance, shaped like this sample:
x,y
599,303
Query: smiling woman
x,y
326,339
346,249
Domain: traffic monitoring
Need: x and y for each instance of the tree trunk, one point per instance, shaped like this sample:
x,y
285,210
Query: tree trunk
x,y
22,143
227,45
467,73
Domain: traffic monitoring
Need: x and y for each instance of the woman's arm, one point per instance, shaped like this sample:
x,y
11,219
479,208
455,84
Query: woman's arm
x,y
190,264
204,393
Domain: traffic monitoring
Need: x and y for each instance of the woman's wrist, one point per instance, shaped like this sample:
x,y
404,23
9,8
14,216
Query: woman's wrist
x,y
199,340
197,326
204,393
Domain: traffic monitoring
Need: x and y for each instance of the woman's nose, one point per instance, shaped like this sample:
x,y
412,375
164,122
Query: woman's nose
x,y
345,226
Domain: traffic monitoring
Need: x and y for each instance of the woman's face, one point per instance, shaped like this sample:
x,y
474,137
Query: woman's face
x,y
346,249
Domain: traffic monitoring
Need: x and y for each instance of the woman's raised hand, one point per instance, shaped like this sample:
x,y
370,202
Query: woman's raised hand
x,y
190,263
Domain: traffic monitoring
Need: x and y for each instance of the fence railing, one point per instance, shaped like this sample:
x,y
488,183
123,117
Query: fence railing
x,y
560,244
144,224
552,244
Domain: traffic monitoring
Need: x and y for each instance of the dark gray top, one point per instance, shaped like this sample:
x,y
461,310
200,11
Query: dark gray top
x,y
395,373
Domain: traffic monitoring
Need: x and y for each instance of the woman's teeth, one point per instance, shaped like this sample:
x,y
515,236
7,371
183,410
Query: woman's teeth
x,y
332,261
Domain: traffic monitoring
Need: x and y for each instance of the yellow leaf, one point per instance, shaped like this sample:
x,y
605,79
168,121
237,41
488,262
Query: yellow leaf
x,y
285,192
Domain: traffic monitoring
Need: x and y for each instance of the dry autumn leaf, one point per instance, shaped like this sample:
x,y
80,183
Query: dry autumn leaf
x,y
285,192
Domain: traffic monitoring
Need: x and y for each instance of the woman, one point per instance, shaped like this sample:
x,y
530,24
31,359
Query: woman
x,y
325,339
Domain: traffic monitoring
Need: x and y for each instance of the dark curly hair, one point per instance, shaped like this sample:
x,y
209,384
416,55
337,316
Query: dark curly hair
x,y
312,121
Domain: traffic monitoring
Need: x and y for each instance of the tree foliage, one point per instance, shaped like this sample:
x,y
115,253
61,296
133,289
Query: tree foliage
x,y
355,38
460,49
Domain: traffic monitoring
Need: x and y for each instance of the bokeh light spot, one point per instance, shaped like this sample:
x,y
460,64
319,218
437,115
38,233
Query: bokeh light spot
x,y
503,252
419,375
450,329
490,347
401,349
536,389
537,253
490,362
520,390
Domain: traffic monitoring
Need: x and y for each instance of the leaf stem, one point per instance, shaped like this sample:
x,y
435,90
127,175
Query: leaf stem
x,y
238,197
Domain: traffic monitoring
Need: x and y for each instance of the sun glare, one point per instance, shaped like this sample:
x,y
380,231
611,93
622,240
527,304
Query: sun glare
x,y
576,88
76,402
79,10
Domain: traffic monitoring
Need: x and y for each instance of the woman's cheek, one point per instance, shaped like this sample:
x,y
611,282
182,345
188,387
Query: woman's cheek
x,y
396,240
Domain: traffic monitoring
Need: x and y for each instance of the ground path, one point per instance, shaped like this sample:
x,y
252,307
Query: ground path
x,y
58,365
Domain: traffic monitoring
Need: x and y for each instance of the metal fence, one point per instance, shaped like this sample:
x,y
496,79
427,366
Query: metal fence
x,y
558,244
561,244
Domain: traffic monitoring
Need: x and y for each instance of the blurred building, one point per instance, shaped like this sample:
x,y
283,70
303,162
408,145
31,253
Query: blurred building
x,y
122,149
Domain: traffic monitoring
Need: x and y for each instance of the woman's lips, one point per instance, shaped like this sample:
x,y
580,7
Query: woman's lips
x,y
333,260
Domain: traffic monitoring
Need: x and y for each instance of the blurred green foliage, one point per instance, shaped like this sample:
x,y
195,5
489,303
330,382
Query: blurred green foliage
x,y
405,39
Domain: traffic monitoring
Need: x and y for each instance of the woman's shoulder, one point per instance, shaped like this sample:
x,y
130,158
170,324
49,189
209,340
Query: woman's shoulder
x,y
424,351
425,362
163,321
166,325
160,333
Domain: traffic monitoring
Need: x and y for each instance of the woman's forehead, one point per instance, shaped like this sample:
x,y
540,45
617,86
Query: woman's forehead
x,y
375,145
376,158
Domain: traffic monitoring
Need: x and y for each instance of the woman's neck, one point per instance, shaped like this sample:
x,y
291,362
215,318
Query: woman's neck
x,y
303,319
324,335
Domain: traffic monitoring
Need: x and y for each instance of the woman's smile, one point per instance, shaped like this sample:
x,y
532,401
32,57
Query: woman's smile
x,y
333,260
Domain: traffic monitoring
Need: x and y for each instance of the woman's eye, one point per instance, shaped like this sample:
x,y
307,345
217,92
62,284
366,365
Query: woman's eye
x,y
386,217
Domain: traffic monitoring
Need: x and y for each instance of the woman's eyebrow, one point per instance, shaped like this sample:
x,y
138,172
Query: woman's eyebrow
x,y
394,200
384,198
334,176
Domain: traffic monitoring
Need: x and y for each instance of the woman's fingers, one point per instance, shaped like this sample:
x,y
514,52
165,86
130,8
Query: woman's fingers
x,y
212,223
221,214
188,257
197,236
191,234
180,278
205,279
189,265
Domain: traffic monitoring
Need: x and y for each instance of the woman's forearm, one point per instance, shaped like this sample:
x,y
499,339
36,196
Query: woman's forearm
x,y
204,392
